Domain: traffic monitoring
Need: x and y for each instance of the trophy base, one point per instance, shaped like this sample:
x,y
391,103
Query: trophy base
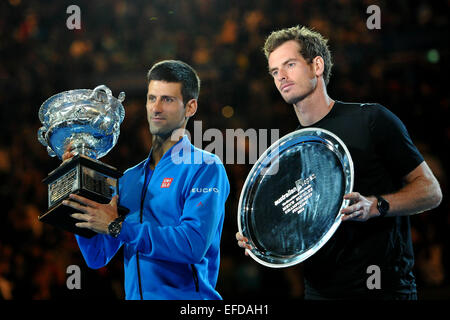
x,y
59,216
86,177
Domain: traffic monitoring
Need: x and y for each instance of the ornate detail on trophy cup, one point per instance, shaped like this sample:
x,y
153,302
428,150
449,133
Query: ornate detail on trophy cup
x,y
89,121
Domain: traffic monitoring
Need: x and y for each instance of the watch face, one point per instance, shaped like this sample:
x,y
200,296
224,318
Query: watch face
x,y
114,228
383,205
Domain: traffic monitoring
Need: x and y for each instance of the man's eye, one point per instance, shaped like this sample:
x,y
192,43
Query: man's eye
x,y
290,65
274,73
168,99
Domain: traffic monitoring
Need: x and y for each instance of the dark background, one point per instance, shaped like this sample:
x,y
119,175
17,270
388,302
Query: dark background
x,y
402,66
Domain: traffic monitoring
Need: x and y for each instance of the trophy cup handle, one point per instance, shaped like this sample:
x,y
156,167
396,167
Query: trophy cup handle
x,y
96,96
102,87
121,97
41,136
51,153
109,96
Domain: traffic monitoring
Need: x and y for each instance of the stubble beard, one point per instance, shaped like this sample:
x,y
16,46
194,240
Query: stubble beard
x,y
162,134
298,98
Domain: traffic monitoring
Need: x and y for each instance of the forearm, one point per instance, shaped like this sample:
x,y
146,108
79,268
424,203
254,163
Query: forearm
x,y
98,250
419,195
182,243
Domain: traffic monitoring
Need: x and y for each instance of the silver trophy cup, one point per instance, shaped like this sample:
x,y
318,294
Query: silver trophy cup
x,y
88,123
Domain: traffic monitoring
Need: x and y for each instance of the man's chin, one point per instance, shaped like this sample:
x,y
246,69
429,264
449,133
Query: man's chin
x,y
162,134
159,132
296,99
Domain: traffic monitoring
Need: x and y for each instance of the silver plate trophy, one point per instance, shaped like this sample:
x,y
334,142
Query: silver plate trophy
x,y
88,122
290,204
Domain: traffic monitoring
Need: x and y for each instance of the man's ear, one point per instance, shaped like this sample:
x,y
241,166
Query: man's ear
x,y
191,108
318,65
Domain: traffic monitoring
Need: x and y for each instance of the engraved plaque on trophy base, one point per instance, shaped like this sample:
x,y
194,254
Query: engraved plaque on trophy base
x,y
80,175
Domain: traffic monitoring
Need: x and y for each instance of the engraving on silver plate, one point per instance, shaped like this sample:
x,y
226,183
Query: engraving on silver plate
x,y
289,215
87,119
63,186
99,183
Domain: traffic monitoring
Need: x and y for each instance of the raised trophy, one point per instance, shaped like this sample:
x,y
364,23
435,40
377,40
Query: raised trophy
x,y
290,204
87,122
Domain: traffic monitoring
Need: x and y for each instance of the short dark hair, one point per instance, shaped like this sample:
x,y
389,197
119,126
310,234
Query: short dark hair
x,y
180,72
312,44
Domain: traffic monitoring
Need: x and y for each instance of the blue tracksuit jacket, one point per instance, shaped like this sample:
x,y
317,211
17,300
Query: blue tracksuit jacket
x,y
171,244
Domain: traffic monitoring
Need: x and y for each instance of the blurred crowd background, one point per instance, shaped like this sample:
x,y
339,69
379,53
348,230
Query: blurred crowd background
x,y
402,66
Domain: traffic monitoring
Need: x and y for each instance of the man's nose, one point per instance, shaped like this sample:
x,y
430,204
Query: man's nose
x,y
281,76
156,107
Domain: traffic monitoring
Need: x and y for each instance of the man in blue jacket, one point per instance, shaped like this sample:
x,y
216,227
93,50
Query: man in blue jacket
x,y
176,197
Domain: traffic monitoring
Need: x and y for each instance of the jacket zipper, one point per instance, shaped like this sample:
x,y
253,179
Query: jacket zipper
x,y
195,276
137,253
143,194
139,275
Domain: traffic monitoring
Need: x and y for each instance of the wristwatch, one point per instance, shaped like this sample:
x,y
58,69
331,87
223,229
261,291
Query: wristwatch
x,y
115,226
382,206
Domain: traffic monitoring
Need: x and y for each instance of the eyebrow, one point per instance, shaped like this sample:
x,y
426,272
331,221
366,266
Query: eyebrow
x,y
283,64
163,96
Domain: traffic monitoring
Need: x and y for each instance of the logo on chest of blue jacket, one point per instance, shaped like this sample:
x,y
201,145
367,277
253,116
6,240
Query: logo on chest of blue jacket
x,y
166,182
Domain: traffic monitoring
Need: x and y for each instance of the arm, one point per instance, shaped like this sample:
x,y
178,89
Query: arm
x,y
98,250
421,192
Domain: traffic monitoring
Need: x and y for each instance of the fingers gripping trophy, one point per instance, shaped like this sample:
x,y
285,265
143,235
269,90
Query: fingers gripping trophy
x,y
88,123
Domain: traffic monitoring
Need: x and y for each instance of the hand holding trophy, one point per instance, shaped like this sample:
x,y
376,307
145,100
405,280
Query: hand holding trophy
x,y
88,123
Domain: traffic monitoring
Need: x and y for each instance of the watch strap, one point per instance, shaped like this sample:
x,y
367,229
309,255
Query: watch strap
x,y
382,206
114,226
